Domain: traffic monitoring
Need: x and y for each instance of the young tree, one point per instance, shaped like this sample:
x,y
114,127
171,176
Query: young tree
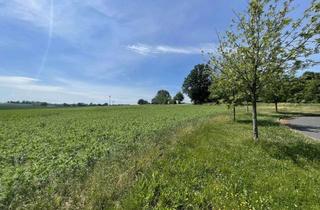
x,y
276,89
196,84
178,97
162,97
268,41
227,88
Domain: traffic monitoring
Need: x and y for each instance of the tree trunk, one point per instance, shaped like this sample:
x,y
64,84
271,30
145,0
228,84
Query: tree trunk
x,y
276,106
254,101
254,118
234,105
234,112
247,107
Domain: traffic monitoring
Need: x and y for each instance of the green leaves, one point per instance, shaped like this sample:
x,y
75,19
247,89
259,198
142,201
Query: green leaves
x,y
162,97
287,21
196,84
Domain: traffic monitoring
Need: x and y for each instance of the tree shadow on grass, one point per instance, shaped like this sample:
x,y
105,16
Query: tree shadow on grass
x,y
300,114
262,123
293,150
305,128
273,114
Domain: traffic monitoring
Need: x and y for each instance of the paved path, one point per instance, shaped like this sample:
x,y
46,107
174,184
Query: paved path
x,y
310,126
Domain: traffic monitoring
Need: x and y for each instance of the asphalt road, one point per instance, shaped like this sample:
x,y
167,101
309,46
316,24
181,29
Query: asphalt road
x,y
310,126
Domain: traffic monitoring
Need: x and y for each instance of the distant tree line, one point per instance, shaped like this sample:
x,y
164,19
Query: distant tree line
x,y
84,104
46,104
34,103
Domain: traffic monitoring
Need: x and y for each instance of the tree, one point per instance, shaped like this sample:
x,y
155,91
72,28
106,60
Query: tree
x,y
276,89
178,97
142,102
172,101
295,90
308,75
196,84
162,97
312,91
311,87
267,41
227,88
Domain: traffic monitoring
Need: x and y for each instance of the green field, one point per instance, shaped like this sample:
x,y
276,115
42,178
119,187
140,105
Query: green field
x,y
163,157
42,150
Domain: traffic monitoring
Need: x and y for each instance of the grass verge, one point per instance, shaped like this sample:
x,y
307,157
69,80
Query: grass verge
x,y
218,166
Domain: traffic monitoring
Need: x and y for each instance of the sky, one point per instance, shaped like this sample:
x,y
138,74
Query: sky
x,y
87,50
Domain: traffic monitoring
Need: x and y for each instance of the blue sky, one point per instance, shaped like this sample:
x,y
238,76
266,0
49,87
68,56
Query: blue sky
x,y
85,50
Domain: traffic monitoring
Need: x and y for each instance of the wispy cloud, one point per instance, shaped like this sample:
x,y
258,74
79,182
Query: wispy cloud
x,y
68,20
145,49
26,84
66,90
35,11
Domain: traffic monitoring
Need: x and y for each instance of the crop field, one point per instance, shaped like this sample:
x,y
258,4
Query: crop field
x,y
44,149
156,157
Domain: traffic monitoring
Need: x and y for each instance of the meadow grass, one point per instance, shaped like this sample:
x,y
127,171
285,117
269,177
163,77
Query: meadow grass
x,y
219,166
290,109
46,154
168,157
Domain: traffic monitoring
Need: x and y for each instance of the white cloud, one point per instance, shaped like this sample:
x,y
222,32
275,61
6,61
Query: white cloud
x,y
70,91
145,49
26,84
11,80
70,19
34,11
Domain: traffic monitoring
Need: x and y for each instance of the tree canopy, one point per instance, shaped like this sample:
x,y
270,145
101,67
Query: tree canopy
x,y
178,98
162,97
196,84
142,102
